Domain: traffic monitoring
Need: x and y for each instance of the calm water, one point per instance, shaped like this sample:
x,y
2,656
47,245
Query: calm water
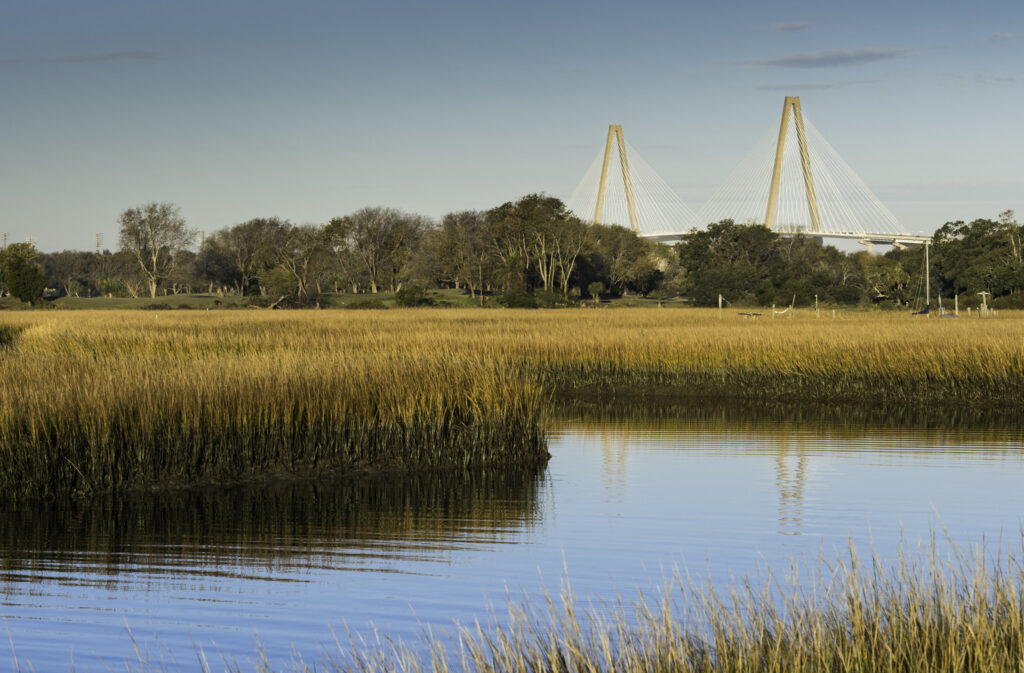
x,y
621,504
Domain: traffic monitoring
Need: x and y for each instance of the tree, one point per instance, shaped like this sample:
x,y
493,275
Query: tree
x,y
301,253
380,240
983,255
25,280
241,254
14,255
568,241
536,238
19,275
726,258
67,271
154,234
465,248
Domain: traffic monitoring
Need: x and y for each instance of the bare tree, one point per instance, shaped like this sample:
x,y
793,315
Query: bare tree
x,y
154,234
569,241
246,250
468,254
301,254
380,240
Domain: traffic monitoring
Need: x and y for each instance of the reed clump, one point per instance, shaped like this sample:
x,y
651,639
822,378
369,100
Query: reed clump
x,y
925,613
97,401
94,405
8,333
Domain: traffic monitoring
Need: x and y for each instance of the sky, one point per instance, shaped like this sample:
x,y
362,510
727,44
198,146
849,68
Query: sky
x,y
309,110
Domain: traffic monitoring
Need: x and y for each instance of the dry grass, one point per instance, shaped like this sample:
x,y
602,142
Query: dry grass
x,y
102,401
96,401
926,613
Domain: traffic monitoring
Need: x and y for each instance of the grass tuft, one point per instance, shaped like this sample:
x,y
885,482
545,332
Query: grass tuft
x,y
925,613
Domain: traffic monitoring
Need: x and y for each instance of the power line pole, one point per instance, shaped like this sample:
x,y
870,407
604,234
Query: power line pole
x,y
927,280
99,243
4,237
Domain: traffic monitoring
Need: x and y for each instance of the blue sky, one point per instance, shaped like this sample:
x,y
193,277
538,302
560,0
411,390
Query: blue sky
x,y
309,110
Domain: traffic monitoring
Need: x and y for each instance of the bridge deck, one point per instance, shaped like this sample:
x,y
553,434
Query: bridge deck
x,y
872,239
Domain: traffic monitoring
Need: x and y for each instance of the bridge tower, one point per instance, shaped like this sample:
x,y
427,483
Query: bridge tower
x,y
791,108
627,192
615,136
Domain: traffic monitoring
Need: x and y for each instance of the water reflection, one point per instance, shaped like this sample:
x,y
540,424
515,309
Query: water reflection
x,y
801,439
936,423
631,491
266,527
791,480
614,448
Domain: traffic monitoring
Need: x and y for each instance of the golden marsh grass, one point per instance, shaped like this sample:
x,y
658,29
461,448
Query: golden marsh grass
x,y
930,611
96,401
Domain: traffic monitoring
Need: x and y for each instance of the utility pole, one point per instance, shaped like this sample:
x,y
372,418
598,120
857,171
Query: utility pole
x,y
927,280
984,303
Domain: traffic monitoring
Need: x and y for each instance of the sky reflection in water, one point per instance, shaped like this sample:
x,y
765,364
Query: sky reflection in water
x,y
628,497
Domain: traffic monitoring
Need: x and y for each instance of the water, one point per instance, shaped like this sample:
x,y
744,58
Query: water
x,y
624,500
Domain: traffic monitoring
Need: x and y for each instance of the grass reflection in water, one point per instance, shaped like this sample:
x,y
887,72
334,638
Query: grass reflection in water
x,y
295,522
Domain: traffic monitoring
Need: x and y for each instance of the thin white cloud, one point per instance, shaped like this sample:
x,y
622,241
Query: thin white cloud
x,y
817,86
1008,78
1002,37
828,59
791,26
88,58
987,78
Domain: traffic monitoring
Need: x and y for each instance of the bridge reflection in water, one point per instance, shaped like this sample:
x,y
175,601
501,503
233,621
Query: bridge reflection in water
x,y
803,442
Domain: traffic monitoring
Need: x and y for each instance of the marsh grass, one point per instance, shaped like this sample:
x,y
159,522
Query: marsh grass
x,y
8,334
929,611
99,401
95,405
934,609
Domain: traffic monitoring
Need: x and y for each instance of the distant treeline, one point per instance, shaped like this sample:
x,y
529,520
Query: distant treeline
x,y
531,252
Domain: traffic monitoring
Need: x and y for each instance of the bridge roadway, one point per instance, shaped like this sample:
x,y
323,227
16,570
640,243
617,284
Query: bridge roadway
x,y
895,240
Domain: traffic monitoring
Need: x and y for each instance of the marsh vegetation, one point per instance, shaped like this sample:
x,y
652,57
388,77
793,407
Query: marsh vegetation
x,y
929,611
94,402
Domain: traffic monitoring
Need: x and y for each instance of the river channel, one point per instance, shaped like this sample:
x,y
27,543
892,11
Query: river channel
x,y
627,498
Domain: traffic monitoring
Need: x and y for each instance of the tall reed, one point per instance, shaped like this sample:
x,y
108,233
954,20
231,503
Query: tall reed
x,y
928,612
96,401
90,405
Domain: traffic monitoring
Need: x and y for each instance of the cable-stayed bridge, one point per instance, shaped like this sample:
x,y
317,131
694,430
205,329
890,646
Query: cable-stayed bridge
x,y
793,182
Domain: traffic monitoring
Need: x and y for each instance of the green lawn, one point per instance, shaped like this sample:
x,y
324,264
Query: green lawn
x,y
174,301
442,298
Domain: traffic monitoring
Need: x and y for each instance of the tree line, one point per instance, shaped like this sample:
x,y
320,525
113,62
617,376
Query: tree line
x,y
529,252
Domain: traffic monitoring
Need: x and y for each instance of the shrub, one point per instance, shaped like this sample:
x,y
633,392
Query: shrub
x,y
413,295
519,300
365,303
